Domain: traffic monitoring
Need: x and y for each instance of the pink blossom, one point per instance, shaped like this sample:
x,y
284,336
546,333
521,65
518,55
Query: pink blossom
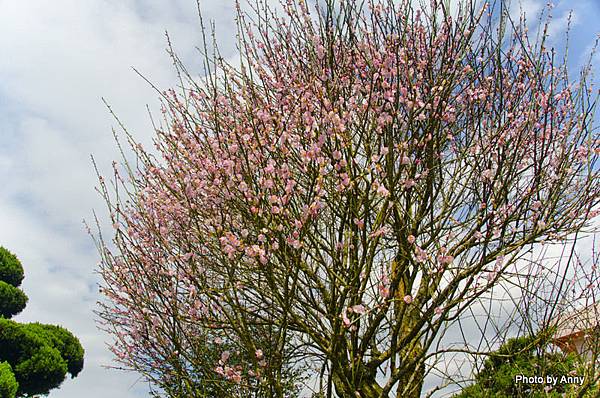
x,y
259,354
499,262
225,356
345,179
380,232
273,199
358,309
320,51
541,224
487,175
411,239
295,243
381,190
236,377
409,183
421,255
314,208
384,291
582,153
270,168
345,318
442,259
267,183
408,299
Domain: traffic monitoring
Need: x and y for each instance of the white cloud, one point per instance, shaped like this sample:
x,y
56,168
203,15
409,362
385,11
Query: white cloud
x,y
559,25
529,8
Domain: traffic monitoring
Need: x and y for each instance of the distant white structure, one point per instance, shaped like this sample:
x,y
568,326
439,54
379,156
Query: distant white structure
x,y
578,331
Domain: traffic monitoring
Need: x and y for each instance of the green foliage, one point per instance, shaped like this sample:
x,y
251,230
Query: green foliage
x,y
590,390
13,300
17,343
8,383
11,270
40,354
520,356
37,357
68,345
41,372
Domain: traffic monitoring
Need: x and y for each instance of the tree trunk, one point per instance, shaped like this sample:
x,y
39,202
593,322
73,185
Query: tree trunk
x,y
411,386
368,388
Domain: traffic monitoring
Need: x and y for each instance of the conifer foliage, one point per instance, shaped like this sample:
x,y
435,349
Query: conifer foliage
x,y
34,358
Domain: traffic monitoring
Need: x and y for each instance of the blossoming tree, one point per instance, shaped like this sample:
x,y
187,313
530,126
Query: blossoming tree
x,y
320,212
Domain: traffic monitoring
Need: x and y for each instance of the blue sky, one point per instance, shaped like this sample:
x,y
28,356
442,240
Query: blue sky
x,y
58,59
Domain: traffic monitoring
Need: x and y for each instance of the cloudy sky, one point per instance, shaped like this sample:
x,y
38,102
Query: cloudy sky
x,y
57,60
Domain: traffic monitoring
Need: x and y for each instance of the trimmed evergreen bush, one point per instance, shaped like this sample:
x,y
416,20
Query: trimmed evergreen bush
x,y
34,358
8,383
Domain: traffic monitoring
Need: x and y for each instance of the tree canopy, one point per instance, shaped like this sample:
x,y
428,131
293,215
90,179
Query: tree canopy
x,y
11,274
34,358
332,204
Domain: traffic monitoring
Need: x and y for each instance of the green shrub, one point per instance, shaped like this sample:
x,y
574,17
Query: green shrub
x,y
12,301
41,372
65,342
8,383
36,357
11,270
14,342
41,355
520,356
